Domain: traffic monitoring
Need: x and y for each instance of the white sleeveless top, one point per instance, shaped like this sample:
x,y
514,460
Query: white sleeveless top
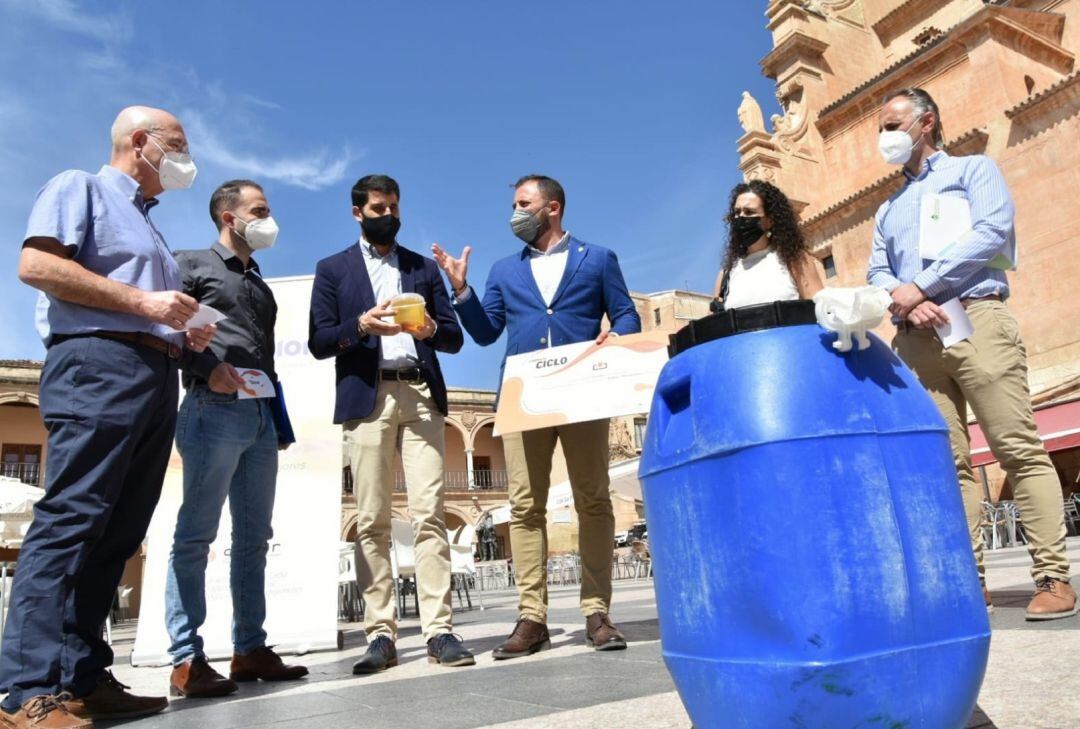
x,y
760,278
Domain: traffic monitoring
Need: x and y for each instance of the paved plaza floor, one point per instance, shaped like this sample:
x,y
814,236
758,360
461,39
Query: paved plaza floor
x,y
1033,680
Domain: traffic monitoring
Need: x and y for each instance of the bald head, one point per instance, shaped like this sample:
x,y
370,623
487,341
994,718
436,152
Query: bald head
x,y
141,136
146,118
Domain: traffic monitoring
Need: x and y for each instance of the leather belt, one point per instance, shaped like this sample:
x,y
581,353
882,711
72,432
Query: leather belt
x,y
405,374
142,339
968,302
743,319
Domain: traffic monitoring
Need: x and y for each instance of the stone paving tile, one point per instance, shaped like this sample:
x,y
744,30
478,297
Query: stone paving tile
x,y
1032,680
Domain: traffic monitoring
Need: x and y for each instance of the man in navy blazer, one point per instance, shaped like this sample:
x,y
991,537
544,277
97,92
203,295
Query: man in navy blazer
x,y
390,394
555,290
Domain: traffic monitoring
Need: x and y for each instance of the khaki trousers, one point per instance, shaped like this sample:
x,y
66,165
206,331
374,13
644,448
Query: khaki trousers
x,y
989,373
528,460
405,418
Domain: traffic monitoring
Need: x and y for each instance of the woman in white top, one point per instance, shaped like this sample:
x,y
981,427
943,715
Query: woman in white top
x,y
767,259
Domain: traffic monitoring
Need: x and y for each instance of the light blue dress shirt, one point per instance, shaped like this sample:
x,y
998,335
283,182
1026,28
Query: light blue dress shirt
x,y
894,258
398,351
104,222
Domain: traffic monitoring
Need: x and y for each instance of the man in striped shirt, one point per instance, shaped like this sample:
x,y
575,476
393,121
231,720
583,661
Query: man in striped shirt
x,y
987,371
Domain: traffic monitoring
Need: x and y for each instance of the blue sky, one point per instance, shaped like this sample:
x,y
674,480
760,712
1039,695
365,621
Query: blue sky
x,y
630,104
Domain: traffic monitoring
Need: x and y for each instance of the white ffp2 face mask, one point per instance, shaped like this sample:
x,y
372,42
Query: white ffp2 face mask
x,y
259,233
896,146
176,170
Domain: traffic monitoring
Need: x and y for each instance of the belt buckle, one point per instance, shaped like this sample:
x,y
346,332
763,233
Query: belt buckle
x,y
174,351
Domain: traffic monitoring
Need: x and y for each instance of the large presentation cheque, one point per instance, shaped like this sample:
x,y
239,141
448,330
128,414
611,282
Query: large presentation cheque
x,y
579,382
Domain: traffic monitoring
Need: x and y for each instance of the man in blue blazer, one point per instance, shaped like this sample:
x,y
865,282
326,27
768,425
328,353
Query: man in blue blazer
x,y
555,290
390,394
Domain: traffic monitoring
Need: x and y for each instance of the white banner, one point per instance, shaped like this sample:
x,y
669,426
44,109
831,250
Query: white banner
x,y
302,564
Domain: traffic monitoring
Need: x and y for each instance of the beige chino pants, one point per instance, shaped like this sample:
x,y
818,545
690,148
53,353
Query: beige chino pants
x,y
528,460
989,373
405,418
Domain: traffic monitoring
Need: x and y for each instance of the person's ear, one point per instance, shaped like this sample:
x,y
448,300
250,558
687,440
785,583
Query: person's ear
x,y
138,141
356,213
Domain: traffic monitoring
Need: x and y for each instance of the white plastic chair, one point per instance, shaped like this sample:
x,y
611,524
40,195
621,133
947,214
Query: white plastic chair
x,y
403,561
123,602
462,569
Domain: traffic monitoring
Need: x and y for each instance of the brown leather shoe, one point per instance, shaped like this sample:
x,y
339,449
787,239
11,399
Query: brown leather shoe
x,y
110,700
528,637
601,633
195,679
263,663
44,712
1053,599
989,601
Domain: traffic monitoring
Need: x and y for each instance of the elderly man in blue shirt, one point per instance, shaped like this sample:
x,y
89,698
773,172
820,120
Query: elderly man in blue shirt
x,y
113,318
987,371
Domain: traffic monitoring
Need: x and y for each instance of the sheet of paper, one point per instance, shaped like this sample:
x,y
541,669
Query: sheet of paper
x,y
256,384
579,382
959,327
204,317
943,221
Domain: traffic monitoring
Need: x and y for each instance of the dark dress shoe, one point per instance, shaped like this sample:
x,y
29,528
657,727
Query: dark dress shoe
x,y
195,679
528,637
111,700
381,655
263,663
448,650
601,633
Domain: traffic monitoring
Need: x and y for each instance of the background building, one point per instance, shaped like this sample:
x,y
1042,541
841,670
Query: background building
x,y
1004,75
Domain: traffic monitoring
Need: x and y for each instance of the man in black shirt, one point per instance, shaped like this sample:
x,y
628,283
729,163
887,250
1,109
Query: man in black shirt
x,y
229,446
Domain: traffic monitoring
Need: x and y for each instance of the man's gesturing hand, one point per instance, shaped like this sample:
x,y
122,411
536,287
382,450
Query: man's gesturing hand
x,y
455,268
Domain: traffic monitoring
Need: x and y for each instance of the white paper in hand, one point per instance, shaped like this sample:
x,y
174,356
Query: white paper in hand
x,y
256,384
204,317
959,327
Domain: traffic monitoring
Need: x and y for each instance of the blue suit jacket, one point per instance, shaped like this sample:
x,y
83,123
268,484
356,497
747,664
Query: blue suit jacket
x,y
341,293
592,286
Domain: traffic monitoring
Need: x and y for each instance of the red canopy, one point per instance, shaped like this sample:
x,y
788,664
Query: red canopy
x,y
1059,428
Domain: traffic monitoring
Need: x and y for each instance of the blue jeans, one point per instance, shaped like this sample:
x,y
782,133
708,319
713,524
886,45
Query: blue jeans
x,y
110,408
229,448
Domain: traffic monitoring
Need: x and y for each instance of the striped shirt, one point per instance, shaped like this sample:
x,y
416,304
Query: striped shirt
x,y
962,271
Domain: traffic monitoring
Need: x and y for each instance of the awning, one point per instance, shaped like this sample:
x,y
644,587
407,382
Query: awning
x,y
1059,428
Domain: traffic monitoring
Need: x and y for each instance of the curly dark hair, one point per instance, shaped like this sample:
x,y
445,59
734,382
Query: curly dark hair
x,y
786,237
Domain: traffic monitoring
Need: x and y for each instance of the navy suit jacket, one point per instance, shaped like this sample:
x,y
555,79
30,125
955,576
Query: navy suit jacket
x,y
341,292
592,286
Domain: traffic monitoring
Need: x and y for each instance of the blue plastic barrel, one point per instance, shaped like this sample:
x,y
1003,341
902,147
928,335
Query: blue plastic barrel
x,y
811,557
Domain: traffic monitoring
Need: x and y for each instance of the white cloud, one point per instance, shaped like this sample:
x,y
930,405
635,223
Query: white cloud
x,y
65,15
311,171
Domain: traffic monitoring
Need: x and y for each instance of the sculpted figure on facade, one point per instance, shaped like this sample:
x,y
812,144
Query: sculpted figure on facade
x,y
750,116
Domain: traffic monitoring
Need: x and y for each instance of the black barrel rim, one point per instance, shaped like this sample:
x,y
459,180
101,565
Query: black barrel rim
x,y
743,319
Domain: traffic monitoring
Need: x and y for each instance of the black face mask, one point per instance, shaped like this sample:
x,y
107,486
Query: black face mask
x,y
745,232
381,231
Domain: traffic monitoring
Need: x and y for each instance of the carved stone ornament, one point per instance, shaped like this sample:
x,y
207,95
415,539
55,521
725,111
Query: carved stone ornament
x,y
468,419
